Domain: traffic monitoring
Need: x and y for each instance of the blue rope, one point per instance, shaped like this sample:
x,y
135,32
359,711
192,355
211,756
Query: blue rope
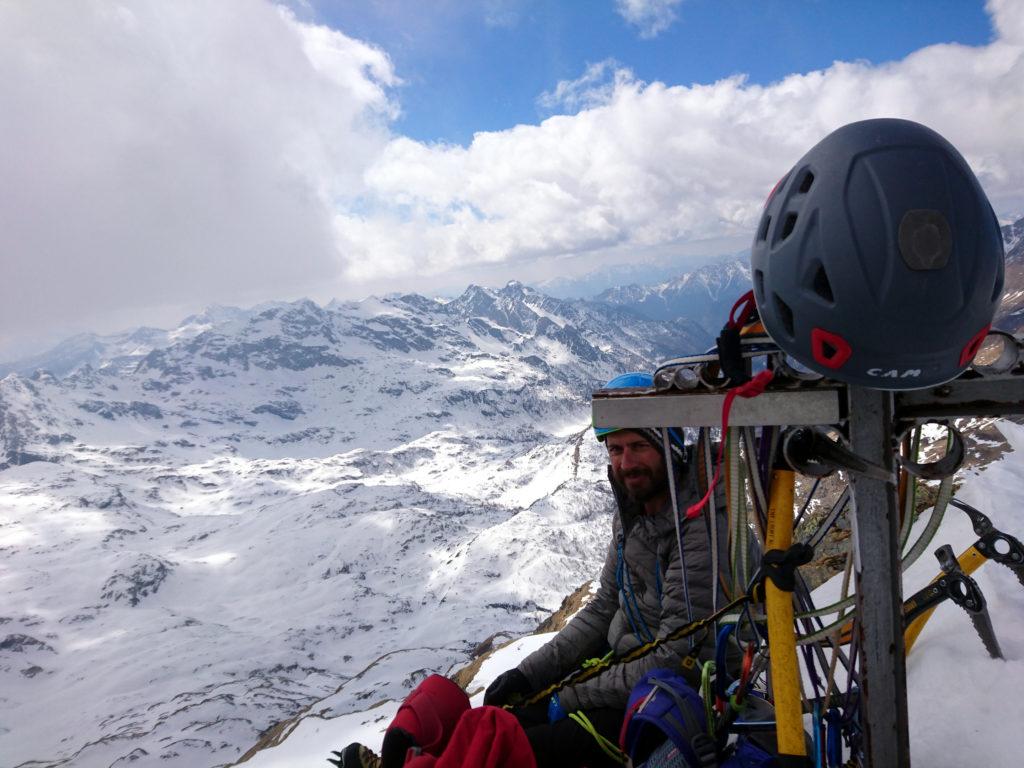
x,y
625,586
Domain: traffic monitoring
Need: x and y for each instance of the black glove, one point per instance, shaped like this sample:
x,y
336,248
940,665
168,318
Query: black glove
x,y
508,688
352,756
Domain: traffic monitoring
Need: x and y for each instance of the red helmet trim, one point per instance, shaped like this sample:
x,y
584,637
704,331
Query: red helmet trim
x,y
973,346
774,190
841,350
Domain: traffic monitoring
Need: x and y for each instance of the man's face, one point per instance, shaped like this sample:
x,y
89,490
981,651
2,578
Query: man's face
x,y
636,465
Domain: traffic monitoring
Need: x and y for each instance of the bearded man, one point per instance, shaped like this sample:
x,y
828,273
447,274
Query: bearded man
x,y
642,595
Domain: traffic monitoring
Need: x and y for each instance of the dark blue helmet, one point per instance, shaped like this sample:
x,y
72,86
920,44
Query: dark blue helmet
x,y
878,260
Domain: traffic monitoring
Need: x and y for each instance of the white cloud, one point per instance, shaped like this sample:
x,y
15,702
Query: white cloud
x,y
650,17
173,154
160,156
646,165
593,88
1008,17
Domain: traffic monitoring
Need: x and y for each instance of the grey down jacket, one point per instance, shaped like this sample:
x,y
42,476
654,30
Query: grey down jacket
x,y
650,558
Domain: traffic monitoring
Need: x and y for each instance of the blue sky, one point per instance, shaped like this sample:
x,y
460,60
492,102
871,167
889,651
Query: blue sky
x,y
481,66
159,157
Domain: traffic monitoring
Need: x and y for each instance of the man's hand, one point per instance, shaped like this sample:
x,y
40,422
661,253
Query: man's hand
x,y
508,688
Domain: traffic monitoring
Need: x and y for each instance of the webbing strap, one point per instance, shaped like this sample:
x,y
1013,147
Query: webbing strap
x,y
752,388
780,566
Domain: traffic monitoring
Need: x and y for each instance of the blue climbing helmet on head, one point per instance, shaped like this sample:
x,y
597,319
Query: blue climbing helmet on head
x,y
644,380
624,381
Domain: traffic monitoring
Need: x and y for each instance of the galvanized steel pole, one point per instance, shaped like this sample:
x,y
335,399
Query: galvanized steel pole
x,y
883,675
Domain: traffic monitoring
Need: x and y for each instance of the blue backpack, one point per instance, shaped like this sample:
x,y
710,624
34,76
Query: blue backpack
x,y
749,755
664,706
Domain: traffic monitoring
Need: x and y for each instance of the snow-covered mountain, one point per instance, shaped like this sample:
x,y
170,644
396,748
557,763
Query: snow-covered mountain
x,y
633,273
200,539
120,350
1013,238
705,295
1011,310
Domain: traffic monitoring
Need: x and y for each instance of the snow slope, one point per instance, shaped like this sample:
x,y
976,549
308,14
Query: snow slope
x,y
964,706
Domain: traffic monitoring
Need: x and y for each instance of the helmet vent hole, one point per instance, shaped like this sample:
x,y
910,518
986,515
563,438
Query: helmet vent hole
x,y
822,286
766,222
759,285
785,314
805,185
788,225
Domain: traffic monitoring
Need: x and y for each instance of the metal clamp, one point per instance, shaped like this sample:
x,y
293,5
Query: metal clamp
x,y
940,468
810,451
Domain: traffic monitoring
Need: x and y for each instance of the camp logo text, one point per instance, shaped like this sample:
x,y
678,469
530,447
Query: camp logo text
x,y
893,373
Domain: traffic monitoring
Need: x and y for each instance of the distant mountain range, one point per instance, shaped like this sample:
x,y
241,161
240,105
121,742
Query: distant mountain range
x,y
705,295
593,283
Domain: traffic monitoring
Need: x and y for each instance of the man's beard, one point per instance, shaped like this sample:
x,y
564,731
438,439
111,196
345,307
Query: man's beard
x,y
657,483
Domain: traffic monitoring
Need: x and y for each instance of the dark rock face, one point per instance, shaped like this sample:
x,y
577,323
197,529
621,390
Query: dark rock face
x,y
285,409
23,643
268,353
139,579
115,409
1013,239
1010,316
18,458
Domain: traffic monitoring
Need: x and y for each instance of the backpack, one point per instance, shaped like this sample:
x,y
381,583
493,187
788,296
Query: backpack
x,y
664,706
750,755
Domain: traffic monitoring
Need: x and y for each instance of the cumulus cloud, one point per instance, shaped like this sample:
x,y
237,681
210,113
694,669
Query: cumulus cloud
x,y
593,88
650,17
174,154
170,155
645,165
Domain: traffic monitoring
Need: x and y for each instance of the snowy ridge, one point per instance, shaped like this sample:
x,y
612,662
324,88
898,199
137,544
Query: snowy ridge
x,y
706,294
120,351
1013,239
198,545
634,272
1011,310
